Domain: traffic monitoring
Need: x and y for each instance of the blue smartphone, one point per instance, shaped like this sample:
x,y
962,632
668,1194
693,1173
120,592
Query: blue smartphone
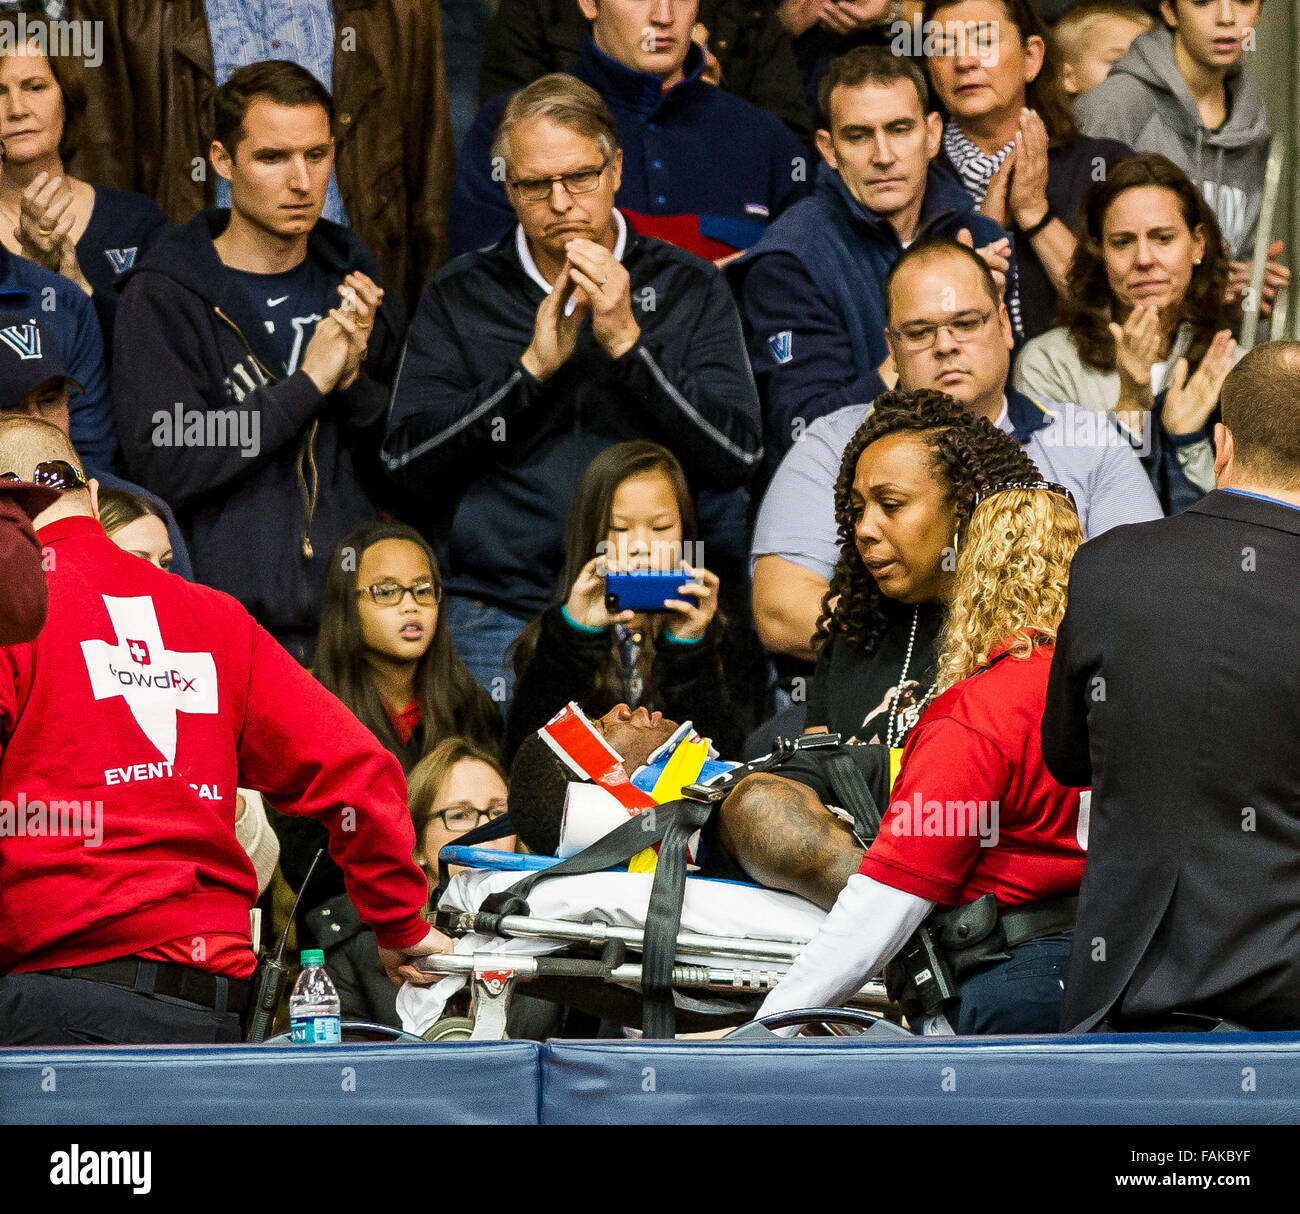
x,y
643,590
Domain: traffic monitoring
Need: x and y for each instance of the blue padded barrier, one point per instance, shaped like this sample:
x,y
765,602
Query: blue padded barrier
x,y
453,1083
1214,1079
1228,1079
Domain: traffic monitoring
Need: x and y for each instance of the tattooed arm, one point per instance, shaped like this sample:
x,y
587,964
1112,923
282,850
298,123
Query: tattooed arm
x,y
781,834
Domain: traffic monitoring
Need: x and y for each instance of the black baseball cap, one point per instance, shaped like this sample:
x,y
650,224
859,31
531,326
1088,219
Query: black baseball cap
x,y
29,357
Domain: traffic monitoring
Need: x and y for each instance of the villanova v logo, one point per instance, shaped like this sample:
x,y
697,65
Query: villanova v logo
x,y
781,346
121,259
23,340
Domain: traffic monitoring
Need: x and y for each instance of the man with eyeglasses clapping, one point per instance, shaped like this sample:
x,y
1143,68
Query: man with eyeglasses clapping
x,y
526,359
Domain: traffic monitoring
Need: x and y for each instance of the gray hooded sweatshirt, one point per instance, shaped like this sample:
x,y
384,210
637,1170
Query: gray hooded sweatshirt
x,y
1145,102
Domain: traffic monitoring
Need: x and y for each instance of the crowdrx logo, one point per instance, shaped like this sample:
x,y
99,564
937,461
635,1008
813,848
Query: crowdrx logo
x,y
77,1166
155,682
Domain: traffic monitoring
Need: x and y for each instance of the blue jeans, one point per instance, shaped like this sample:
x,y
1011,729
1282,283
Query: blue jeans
x,y
1022,995
481,636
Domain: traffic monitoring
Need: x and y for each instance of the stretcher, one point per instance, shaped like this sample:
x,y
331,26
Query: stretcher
x,y
580,945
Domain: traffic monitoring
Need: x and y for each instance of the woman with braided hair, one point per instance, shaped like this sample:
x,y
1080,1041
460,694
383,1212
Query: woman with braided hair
x,y
975,822
905,489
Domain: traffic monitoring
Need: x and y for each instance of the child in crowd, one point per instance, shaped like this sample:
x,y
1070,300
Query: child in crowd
x,y
1091,38
385,647
633,510
134,523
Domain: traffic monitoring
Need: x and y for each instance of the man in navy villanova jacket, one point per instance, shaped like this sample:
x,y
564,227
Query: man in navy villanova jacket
x,y
811,291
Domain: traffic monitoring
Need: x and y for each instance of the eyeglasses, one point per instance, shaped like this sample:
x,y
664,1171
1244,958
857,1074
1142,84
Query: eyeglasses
x,y
918,335
1049,486
52,474
388,594
538,189
462,816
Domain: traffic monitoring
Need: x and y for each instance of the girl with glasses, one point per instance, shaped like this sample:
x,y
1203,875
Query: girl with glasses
x,y
384,649
384,646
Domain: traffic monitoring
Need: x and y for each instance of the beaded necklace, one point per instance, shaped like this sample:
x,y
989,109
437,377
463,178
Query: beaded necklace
x,y
910,715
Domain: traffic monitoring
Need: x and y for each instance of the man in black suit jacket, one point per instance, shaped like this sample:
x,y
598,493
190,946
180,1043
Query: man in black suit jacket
x,y
1175,694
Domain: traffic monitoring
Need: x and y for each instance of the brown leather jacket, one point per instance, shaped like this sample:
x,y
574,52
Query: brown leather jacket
x,y
148,121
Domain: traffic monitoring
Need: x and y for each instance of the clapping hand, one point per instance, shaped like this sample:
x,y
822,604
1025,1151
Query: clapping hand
x,y
361,297
46,219
607,288
1137,346
849,16
333,357
1276,276
1027,191
1019,187
1189,402
712,73
555,330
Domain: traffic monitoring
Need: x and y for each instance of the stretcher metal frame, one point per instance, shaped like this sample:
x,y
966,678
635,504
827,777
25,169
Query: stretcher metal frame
x,y
703,965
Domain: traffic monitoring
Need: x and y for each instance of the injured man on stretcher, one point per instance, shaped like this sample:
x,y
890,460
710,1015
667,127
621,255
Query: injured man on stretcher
x,y
975,840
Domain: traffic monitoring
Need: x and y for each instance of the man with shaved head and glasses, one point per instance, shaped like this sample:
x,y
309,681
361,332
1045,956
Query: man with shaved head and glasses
x,y
947,329
124,910
528,358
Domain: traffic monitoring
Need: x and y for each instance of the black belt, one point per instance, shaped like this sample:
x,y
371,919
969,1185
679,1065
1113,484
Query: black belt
x,y
176,981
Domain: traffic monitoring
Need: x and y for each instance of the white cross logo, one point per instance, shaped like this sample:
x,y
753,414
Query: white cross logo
x,y
155,683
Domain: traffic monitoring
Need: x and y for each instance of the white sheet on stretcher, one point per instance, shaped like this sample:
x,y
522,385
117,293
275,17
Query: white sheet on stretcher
x,y
712,908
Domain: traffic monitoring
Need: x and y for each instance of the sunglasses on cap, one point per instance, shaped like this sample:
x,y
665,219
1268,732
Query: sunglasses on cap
x,y
52,474
1049,486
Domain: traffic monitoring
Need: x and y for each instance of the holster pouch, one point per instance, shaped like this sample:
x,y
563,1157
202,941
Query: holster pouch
x,y
953,944
919,979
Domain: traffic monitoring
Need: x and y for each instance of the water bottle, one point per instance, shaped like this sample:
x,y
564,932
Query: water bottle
x,y
314,1004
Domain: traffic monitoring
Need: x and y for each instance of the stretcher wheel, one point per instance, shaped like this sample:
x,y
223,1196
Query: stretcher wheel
x,y
451,1028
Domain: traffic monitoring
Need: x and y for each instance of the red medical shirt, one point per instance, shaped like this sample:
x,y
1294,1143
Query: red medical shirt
x,y
974,809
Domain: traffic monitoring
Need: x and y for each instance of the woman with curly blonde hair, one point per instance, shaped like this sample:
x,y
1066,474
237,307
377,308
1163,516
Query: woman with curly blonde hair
x,y
1013,567
974,815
